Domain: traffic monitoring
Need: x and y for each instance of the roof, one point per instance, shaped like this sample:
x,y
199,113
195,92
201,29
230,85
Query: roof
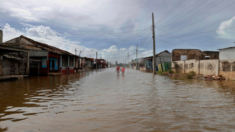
x,y
13,48
158,53
210,51
47,47
185,49
88,58
227,48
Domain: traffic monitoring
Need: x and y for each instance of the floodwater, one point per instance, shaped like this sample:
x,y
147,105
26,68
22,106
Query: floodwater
x,y
102,101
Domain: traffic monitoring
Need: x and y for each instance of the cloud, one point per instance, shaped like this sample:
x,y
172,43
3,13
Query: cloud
x,y
43,34
121,54
46,35
226,34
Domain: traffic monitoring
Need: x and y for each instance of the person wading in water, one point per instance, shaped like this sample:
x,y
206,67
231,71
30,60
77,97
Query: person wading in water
x,y
123,69
117,69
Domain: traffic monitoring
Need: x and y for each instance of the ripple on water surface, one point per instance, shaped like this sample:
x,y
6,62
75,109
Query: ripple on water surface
x,y
104,101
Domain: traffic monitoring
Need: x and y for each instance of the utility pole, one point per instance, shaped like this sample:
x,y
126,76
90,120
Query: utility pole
x,y
153,28
128,57
137,56
96,61
75,51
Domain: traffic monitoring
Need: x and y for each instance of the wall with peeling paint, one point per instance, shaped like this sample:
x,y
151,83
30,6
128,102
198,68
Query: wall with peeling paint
x,y
209,67
178,66
204,67
227,68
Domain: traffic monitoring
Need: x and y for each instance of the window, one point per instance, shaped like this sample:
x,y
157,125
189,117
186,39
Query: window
x,y
44,62
56,62
183,57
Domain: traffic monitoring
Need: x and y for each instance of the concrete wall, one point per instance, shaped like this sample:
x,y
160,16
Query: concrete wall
x,y
209,67
12,67
204,67
178,66
191,65
227,68
227,54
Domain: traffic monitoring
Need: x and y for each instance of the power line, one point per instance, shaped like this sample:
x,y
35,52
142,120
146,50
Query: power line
x,y
185,10
147,44
187,13
180,2
204,17
178,38
200,12
201,32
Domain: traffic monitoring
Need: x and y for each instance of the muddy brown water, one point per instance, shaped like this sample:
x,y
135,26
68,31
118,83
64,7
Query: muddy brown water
x,y
102,101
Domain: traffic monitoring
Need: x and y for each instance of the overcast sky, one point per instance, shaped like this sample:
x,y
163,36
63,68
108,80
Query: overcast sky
x,y
114,27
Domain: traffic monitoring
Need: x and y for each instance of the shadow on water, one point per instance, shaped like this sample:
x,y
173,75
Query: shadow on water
x,y
3,129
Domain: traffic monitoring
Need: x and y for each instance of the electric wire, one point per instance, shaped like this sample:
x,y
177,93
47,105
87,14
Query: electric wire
x,y
190,17
186,13
183,11
180,2
204,18
202,32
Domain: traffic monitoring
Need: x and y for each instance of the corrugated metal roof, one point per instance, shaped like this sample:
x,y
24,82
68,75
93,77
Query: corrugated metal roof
x,y
47,47
158,54
226,48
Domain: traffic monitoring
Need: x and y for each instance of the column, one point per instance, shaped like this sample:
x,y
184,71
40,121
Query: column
x,y
60,61
74,61
68,62
27,70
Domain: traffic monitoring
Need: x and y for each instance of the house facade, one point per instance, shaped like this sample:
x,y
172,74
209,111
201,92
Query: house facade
x,y
146,64
53,60
13,61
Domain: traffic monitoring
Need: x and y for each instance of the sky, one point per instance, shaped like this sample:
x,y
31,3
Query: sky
x,y
114,28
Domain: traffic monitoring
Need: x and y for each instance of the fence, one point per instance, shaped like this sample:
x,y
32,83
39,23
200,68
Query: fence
x,y
204,67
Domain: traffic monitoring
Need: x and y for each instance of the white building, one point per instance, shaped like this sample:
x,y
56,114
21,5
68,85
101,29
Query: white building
x,y
227,53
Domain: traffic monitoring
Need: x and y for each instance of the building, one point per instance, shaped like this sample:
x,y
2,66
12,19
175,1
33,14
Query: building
x,y
227,53
101,63
189,54
227,62
14,62
53,60
145,63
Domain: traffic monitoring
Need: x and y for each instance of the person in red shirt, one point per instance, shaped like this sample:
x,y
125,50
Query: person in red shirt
x,y
117,69
123,69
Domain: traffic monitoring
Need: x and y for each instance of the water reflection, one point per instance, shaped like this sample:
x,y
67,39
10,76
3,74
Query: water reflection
x,y
103,100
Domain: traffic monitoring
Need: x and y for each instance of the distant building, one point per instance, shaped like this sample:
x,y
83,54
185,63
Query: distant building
x,y
227,53
189,54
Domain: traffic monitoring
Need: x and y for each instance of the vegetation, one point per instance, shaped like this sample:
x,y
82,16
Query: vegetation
x,y
160,72
190,75
170,71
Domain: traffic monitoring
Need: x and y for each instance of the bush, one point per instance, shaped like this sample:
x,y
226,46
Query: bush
x,y
189,76
160,72
170,71
192,73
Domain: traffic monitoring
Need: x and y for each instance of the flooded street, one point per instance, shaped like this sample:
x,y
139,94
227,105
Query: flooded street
x,y
102,101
